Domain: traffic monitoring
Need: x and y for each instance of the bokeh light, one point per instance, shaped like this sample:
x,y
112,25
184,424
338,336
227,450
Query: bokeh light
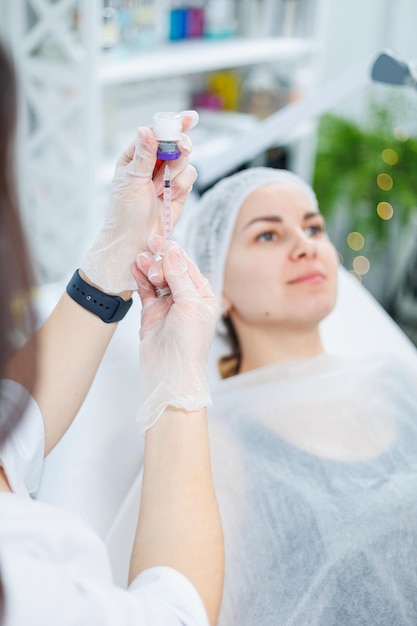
x,y
385,210
400,133
355,241
389,156
384,182
361,265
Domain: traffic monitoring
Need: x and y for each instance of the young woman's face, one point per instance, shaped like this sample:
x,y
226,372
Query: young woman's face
x,y
281,267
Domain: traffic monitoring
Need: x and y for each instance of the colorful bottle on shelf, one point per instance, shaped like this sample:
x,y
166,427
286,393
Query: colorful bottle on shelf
x,y
220,19
145,19
194,26
177,21
110,29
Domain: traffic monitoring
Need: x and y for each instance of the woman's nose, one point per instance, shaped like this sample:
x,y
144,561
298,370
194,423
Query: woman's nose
x,y
303,246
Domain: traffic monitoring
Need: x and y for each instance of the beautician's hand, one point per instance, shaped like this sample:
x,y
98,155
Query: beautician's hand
x,y
135,209
176,334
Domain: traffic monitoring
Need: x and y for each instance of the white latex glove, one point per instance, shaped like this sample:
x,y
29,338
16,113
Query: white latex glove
x,y
176,333
135,208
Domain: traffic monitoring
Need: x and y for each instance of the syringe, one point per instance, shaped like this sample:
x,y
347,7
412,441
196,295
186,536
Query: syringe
x,y
167,206
166,218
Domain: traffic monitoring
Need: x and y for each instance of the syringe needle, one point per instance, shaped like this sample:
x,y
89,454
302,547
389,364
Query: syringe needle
x,y
167,206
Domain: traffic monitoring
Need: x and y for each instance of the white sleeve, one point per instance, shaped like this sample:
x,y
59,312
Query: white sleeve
x,y
47,591
163,597
55,571
167,589
41,596
22,454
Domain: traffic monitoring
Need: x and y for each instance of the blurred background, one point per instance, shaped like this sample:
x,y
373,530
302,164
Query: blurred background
x,y
284,83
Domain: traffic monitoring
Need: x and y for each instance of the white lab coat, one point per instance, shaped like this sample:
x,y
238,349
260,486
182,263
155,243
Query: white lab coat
x,y
55,569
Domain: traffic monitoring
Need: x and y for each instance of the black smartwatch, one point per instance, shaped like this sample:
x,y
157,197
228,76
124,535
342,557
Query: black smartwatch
x,y
108,308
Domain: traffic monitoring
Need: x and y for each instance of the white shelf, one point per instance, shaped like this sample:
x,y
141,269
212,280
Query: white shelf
x,y
71,116
181,58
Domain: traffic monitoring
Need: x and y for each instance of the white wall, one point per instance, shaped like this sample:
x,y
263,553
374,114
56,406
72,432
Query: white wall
x,y
359,29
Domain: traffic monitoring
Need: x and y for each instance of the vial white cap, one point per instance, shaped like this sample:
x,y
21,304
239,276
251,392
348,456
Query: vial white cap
x,y
167,126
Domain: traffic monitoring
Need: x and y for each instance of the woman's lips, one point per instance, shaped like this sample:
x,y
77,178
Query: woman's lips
x,y
311,277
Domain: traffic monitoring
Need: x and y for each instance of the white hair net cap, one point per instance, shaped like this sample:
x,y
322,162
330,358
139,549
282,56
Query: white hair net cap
x,y
210,224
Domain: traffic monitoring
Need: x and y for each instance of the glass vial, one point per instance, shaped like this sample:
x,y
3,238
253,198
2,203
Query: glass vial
x,y
167,128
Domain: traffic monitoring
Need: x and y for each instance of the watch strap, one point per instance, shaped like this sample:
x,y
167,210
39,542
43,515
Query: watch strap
x,y
107,308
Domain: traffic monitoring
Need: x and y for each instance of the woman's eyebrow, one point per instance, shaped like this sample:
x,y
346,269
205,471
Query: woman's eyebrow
x,y
311,214
266,218
277,218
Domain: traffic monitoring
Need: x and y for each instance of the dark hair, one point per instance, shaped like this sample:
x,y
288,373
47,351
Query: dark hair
x,y
17,320
229,365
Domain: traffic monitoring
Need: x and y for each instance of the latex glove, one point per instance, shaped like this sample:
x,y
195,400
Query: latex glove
x,y
135,208
176,333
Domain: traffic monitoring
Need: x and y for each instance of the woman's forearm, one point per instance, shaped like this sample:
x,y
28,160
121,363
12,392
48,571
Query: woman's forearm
x,y
179,524
70,346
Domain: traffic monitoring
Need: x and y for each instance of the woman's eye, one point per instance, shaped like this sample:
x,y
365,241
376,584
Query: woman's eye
x,y
316,229
267,236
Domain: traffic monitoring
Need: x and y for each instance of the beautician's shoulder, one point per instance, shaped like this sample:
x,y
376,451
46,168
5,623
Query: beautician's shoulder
x,y
55,570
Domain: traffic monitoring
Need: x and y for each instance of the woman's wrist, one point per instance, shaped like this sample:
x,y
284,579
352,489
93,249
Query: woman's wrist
x,y
125,295
108,307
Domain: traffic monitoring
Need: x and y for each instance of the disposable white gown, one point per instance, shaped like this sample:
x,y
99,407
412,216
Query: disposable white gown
x,y
315,468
